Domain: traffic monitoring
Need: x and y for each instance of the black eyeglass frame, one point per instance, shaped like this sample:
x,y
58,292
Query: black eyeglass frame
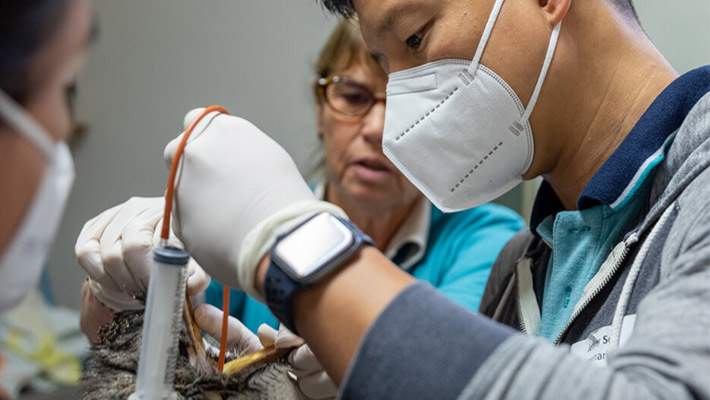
x,y
321,90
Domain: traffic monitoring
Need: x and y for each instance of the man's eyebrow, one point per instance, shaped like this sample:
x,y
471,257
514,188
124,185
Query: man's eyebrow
x,y
391,17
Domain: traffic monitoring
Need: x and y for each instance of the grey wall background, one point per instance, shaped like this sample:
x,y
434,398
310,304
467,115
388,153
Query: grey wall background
x,y
157,59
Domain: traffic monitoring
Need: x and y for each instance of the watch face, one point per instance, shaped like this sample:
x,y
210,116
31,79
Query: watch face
x,y
313,244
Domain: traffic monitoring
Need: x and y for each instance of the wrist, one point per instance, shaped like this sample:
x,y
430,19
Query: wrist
x,y
260,273
257,243
305,256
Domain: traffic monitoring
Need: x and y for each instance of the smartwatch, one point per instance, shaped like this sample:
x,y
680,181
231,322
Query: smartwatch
x,y
305,255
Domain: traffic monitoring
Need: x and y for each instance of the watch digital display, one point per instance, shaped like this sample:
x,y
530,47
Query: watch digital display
x,y
313,244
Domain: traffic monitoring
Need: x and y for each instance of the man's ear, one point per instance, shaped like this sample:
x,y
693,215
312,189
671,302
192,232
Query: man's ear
x,y
555,10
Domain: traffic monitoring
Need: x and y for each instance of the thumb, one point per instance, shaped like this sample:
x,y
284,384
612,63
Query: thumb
x,y
171,148
209,319
191,115
267,335
198,280
285,339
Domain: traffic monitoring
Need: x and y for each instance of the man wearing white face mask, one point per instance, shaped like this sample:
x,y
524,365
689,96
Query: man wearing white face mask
x,y
614,268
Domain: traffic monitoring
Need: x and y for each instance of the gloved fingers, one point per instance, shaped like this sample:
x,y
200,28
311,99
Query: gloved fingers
x,y
197,279
267,335
171,148
285,338
303,361
318,386
127,243
209,319
88,248
136,256
191,115
116,300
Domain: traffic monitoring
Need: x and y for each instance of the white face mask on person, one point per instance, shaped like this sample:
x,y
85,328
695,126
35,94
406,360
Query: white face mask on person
x,y
457,130
21,264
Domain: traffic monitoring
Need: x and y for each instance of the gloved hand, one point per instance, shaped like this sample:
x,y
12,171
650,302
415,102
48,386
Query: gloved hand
x,y
116,250
237,190
313,381
239,338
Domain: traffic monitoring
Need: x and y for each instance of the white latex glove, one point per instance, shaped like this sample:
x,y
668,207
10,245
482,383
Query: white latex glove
x,y
313,381
239,338
116,250
237,191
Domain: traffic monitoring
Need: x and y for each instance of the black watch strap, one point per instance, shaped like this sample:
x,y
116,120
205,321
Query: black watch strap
x,y
279,287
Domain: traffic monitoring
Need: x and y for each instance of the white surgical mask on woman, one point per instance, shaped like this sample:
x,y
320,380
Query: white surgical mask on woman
x,y
21,264
457,130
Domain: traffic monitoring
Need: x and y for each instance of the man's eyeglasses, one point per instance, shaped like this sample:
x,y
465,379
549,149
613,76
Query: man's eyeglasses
x,y
346,96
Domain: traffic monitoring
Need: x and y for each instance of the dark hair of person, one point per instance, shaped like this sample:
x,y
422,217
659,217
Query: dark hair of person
x,y
26,26
346,8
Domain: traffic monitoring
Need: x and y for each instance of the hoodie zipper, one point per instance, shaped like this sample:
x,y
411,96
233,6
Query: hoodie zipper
x,y
520,316
619,256
524,298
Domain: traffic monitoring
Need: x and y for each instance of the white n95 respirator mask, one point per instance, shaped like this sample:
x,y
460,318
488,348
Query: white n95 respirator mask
x,y
22,261
457,130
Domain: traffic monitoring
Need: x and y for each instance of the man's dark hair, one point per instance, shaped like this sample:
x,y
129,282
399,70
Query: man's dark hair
x,y
25,28
346,8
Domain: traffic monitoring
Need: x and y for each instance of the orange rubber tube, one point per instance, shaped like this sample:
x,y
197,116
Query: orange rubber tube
x,y
165,232
225,325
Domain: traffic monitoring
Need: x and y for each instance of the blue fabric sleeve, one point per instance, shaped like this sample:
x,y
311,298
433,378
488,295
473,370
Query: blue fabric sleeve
x,y
422,346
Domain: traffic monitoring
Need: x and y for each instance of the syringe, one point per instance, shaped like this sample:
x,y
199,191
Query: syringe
x,y
162,321
161,325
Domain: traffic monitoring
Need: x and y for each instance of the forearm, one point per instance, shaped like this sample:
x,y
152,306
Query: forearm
x,y
334,315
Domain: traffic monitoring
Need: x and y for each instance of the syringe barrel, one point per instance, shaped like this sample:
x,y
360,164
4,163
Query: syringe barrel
x,y
161,325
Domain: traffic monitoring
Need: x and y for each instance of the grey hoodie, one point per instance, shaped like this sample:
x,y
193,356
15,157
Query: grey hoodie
x,y
641,331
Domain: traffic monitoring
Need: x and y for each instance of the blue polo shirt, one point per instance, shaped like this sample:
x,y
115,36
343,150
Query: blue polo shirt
x,y
581,240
